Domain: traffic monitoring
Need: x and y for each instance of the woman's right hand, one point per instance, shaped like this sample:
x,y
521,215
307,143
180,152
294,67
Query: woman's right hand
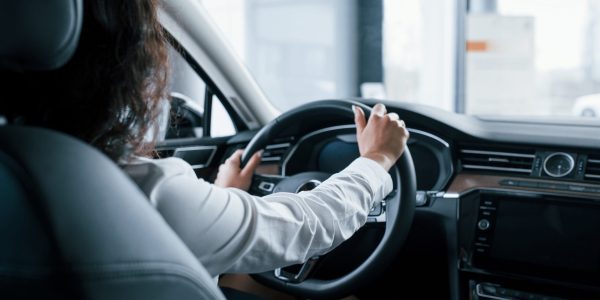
x,y
383,137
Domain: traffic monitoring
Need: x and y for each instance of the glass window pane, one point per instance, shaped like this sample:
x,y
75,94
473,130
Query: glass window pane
x,y
220,122
187,91
534,57
304,50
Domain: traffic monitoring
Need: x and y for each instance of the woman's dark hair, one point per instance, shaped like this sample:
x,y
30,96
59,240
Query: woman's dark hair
x,y
110,91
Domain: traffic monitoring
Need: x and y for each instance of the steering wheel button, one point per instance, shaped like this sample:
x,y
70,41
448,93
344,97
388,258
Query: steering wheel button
x,y
483,224
266,186
376,210
421,199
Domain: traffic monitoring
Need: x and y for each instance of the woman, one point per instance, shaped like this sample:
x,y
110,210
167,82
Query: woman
x,y
110,92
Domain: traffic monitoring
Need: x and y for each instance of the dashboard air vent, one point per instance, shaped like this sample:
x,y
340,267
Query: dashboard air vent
x,y
275,152
592,169
500,161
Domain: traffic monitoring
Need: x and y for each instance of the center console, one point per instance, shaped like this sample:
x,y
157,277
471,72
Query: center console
x,y
529,246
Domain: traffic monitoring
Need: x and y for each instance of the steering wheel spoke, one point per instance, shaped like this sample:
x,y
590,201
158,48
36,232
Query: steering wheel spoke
x,y
377,213
293,276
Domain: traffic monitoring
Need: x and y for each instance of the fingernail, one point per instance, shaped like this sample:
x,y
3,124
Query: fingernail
x,y
354,109
379,109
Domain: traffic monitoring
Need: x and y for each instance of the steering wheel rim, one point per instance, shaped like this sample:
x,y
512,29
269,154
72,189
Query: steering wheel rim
x,y
400,207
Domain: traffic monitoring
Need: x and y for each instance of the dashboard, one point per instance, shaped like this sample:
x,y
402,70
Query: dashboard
x,y
516,204
331,149
507,209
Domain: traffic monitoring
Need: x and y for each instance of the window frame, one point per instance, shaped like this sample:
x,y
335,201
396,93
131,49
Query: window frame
x,y
211,90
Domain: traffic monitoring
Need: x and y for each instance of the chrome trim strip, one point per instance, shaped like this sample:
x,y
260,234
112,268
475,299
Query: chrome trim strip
x,y
194,148
311,181
277,146
501,160
481,294
271,158
511,154
496,168
425,133
451,196
594,161
592,176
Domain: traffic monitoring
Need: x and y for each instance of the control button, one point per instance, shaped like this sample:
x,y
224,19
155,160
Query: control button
x,y
266,186
375,210
528,184
482,207
482,239
544,185
481,250
554,186
483,224
421,198
580,168
508,182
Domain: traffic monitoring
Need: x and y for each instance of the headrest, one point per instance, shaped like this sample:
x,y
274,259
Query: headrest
x,y
38,34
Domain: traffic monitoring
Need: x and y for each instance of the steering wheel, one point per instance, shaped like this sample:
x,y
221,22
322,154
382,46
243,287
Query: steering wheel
x,y
399,206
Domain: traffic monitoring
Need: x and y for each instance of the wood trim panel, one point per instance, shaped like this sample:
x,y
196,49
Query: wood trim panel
x,y
466,182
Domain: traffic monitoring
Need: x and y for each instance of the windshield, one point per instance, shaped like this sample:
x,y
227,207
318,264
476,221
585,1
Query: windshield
x,y
481,57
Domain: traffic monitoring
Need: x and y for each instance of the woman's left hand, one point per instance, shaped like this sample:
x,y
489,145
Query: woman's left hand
x,y
230,174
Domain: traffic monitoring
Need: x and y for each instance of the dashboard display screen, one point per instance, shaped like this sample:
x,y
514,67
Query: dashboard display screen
x,y
552,234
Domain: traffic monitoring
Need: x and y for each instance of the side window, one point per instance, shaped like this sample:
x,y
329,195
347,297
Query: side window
x,y
195,110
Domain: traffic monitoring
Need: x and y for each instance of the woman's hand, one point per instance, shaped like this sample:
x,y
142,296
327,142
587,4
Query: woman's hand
x,y
383,137
230,174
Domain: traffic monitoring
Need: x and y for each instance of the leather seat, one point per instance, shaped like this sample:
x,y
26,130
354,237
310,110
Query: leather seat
x,y
72,224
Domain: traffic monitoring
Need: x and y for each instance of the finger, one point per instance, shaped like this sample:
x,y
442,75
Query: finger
x,y
379,110
236,157
393,116
401,123
359,119
252,163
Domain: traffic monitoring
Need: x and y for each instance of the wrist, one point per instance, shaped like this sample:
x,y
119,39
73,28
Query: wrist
x,y
385,161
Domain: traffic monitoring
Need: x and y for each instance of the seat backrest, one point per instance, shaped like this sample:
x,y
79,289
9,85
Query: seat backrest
x,y
72,224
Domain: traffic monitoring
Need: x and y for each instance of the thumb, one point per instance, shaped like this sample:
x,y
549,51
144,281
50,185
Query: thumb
x,y
359,119
252,163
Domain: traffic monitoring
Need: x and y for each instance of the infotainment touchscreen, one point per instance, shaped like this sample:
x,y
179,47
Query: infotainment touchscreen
x,y
555,237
